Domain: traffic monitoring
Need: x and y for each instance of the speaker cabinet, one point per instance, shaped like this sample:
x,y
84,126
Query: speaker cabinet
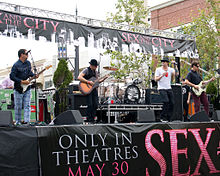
x,y
216,115
178,103
144,116
6,118
69,117
78,102
152,96
200,117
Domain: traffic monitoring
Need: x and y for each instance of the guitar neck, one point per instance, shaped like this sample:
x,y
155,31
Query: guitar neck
x,y
38,74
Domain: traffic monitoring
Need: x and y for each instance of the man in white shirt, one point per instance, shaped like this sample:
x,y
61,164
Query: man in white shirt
x,y
163,76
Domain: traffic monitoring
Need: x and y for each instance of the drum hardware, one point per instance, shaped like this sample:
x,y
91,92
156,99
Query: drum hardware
x,y
110,68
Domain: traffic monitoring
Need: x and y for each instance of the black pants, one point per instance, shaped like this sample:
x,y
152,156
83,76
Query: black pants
x,y
92,103
168,104
186,108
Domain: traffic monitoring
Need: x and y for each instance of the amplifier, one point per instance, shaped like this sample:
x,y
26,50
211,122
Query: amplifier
x,y
152,96
77,102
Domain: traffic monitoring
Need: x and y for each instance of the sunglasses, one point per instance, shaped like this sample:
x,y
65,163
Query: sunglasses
x,y
197,66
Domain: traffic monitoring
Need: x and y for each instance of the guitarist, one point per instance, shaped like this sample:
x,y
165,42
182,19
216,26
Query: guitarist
x,y
20,72
193,79
92,98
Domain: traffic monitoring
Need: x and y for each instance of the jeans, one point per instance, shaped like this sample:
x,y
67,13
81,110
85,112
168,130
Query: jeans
x,y
25,100
168,103
92,102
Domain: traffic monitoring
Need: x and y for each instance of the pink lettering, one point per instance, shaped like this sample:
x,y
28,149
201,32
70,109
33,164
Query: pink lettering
x,y
100,170
78,172
171,42
26,22
156,155
175,151
153,39
1,20
203,149
54,25
165,42
129,37
124,36
45,24
36,23
136,38
89,171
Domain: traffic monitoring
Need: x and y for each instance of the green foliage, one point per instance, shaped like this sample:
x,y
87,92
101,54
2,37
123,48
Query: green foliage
x,y
131,65
62,76
130,12
205,28
211,89
61,79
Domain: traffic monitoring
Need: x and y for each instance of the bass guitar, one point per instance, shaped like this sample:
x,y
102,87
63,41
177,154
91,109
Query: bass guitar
x,y
24,87
86,88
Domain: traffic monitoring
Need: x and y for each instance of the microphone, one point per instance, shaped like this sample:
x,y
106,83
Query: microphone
x,y
28,51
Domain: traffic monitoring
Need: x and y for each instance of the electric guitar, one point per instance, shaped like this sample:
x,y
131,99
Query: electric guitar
x,y
86,88
25,86
202,88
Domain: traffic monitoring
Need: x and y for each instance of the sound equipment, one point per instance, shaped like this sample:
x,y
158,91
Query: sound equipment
x,y
6,118
77,102
144,116
200,117
216,115
152,96
69,117
178,103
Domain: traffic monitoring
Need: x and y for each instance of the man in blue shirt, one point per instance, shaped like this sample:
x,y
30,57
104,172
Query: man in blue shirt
x,y
20,73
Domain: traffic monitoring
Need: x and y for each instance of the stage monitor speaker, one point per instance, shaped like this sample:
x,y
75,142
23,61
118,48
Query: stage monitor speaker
x,y
200,117
216,115
144,116
6,118
178,103
69,117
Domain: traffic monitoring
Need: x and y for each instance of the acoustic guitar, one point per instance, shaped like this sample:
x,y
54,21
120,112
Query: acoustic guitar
x,y
86,88
24,87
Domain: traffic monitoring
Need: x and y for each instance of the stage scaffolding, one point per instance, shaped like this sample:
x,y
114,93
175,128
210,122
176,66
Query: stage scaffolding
x,y
88,21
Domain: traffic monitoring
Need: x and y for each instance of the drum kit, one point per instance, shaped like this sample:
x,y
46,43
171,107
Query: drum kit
x,y
118,91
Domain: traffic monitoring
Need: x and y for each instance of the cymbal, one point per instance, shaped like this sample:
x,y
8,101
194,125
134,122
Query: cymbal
x,y
117,80
110,68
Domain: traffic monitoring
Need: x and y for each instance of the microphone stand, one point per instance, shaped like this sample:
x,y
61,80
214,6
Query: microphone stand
x,y
35,87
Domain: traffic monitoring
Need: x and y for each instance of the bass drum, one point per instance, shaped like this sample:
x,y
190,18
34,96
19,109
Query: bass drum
x,y
132,95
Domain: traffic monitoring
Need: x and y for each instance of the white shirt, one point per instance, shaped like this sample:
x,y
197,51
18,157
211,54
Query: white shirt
x,y
165,81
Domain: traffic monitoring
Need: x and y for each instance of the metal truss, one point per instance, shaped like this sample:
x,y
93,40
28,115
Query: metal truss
x,y
90,22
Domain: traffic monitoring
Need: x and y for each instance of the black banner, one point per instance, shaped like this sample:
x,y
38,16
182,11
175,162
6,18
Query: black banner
x,y
34,28
140,149
18,152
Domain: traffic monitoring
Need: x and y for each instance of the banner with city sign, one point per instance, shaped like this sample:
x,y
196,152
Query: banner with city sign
x,y
45,29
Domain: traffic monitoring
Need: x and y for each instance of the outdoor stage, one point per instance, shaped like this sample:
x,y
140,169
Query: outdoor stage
x,y
140,149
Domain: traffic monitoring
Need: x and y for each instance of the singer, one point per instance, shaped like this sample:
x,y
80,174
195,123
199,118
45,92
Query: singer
x,y
164,75
20,72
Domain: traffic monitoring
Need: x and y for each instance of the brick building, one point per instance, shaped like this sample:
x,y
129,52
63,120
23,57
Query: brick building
x,y
175,12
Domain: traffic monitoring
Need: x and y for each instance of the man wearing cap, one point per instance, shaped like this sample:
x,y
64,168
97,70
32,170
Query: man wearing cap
x,y
164,75
92,98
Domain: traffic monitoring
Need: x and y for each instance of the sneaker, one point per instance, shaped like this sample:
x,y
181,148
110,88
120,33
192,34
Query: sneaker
x,y
18,124
163,121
